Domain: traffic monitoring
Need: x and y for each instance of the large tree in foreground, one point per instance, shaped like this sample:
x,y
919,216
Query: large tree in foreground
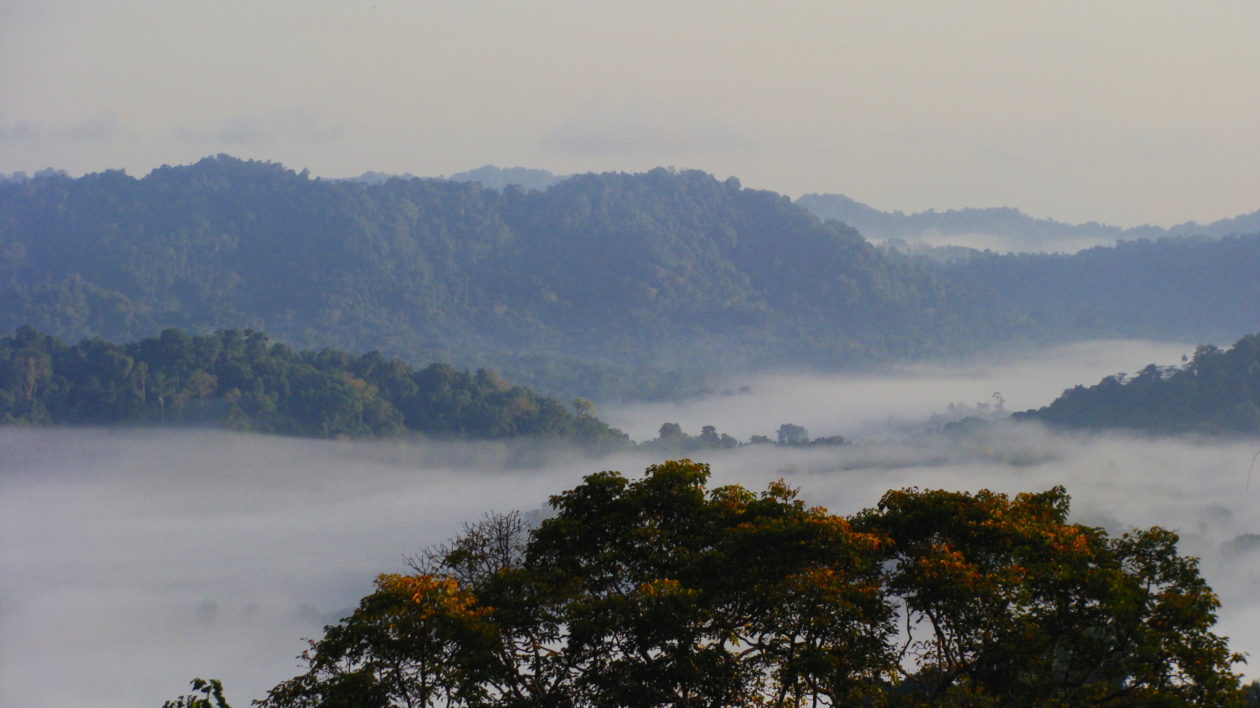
x,y
1006,603
660,592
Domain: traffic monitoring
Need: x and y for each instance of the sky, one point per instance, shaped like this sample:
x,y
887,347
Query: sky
x,y
1125,112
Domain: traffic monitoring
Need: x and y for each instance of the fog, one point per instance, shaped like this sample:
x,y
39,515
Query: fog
x,y
1003,243
132,561
857,405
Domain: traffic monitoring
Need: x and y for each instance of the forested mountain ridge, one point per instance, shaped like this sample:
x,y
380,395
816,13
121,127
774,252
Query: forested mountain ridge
x,y
242,381
489,176
1217,391
1197,288
580,288
495,177
662,268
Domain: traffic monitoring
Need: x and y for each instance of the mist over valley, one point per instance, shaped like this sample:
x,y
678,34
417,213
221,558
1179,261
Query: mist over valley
x,y
692,316
160,554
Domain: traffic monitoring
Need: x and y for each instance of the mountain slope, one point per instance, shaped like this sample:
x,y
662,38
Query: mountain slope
x,y
601,285
625,268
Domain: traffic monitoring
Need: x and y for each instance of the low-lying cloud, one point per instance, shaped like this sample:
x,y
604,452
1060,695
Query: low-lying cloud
x,y
132,561
861,405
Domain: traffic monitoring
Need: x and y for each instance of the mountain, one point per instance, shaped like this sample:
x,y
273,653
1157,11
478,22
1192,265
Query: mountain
x,y
39,174
243,381
1217,391
603,285
1192,288
601,275
500,178
1001,229
489,176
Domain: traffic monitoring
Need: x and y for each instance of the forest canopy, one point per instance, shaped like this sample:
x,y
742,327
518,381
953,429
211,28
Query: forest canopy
x,y
1217,391
241,380
662,591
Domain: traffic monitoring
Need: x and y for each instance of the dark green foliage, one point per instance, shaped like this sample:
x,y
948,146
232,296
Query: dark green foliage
x,y
660,592
671,440
1217,391
242,380
647,592
1011,605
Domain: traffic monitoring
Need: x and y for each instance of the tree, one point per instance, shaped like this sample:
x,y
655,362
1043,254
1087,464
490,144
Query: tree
x,y
582,406
411,642
670,430
646,592
1006,603
674,596
791,434
206,694
659,591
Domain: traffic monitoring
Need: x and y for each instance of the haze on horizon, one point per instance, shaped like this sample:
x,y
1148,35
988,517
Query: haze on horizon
x,y
1125,113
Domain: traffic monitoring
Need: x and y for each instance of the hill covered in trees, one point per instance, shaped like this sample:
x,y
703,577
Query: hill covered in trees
x,y
242,381
1203,288
1217,391
601,285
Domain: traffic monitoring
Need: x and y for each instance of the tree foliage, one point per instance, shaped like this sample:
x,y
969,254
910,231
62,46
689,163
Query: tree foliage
x,y
661,591
244,381
1006,603
206,694
1217,391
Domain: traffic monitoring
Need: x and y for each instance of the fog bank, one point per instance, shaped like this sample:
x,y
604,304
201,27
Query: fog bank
x,y
132,561
861,405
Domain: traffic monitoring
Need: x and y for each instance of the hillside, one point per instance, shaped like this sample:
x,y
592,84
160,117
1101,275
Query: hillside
x,y
1217,391
614,272
607,285
243,381
1199,289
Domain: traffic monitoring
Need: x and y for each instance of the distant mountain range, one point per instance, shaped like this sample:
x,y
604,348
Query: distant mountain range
x,y
601,286
490,176
1001,229
939,235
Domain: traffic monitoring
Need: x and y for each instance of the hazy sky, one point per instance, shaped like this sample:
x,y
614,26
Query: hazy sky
x,y
1127,112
